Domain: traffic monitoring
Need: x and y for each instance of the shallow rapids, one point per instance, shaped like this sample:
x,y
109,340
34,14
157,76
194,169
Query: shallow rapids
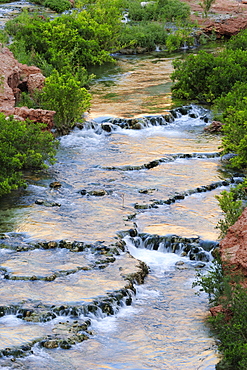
x,y
159,179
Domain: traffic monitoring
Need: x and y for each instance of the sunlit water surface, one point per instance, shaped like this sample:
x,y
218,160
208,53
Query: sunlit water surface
x,y
164,328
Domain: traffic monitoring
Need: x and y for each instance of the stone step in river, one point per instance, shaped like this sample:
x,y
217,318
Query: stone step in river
x,y
135,196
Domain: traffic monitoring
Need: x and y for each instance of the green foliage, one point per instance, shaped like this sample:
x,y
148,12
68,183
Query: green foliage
x,y
58,6
63,93
182,36
4,38
212,282
233,333
23,145
142,13
205,77
26,101
172,10
191,76
69,40
238,42
146,35
235,98
161,10
230,326
235,136
232,206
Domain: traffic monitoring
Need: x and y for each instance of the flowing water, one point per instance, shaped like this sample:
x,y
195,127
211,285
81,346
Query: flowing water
x,y
12,9
155,181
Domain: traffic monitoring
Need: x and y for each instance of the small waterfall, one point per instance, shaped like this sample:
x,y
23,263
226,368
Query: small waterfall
x,y
192,115
194,249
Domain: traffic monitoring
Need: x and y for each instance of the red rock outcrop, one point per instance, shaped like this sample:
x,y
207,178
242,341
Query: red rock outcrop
x,y
17,77
226,17
214,128
227,27
233,248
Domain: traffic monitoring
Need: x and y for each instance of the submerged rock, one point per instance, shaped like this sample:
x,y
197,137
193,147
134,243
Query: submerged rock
x,y
98,193
55,185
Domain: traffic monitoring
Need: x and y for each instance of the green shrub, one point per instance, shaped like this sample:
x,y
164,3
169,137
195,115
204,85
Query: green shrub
x,y
4,38
146,35
190,76
23,145
232,333
238,42
231,203
26,101
235,136
64,94
205,77
172,10
58,6
182,36
142,13
161,10
69,40
230,326
234,98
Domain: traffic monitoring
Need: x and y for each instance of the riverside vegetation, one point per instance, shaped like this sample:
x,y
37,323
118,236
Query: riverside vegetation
x,y
220,79
64,47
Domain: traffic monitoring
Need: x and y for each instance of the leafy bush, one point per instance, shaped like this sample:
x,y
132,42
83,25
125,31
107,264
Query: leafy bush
x,y
232,206
235,136
4,38
234,98
58,6
146,35
191,76
205,77
230,326
182,36
161,10
142,13
23,145
69,40
172,10
238,42
63,93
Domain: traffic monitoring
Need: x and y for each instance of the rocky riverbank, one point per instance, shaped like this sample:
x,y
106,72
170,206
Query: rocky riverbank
x,y
17,78
225,18
233,248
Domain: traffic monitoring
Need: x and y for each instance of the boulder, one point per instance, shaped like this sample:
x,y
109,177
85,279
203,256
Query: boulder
x,y
233,248
214,127
17,77
35,81
227,27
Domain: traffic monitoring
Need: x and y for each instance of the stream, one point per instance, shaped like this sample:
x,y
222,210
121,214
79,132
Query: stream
x,y
136,182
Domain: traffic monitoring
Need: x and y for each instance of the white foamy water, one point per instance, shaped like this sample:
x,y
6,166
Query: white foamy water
x,y
164,327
